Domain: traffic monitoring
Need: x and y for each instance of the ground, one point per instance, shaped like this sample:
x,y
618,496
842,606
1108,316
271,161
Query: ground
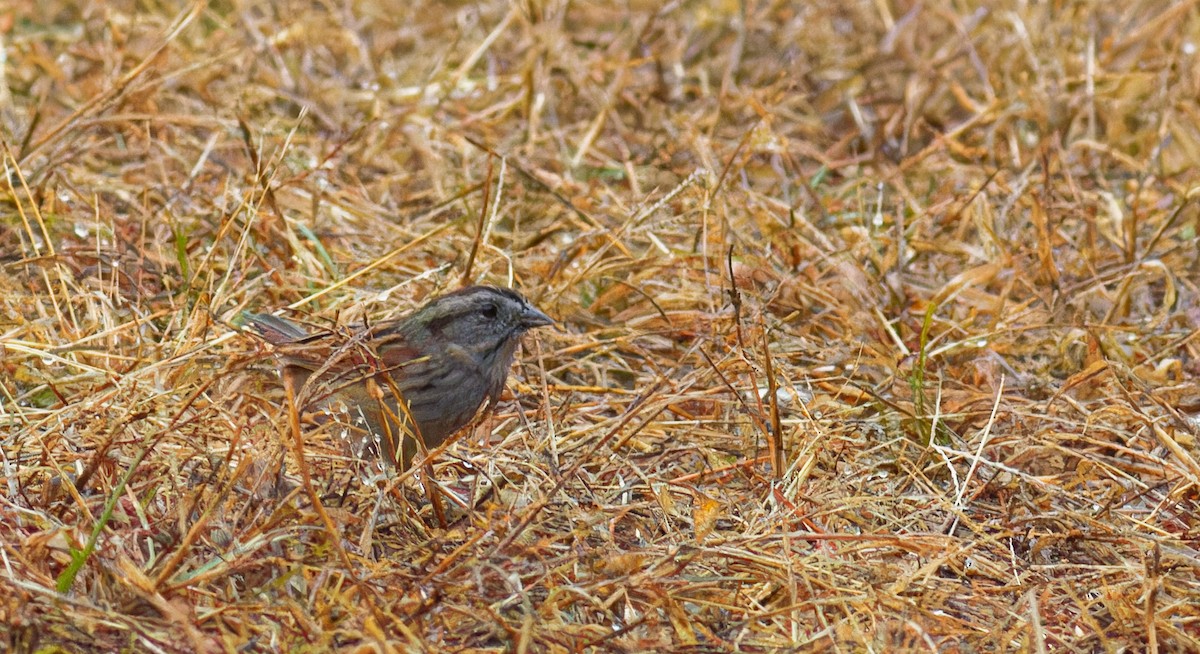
x,y
878,324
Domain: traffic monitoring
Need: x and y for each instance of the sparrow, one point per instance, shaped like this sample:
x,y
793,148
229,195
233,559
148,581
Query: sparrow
x,y
416,379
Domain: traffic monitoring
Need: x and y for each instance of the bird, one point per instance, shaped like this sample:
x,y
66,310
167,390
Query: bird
x,y
418,378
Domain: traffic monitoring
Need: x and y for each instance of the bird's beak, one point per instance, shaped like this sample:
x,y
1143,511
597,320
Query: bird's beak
x,y
531,317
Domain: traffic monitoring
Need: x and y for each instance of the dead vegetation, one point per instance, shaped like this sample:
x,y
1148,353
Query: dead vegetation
x,y
879,324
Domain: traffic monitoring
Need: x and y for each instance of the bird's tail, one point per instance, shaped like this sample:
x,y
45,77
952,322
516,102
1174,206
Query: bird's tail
x,y
273,328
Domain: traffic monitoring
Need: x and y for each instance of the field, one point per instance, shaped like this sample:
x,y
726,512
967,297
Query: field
x,y
878,324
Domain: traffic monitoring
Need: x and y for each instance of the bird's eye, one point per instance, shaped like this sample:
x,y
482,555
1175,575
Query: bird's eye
x,y
489,311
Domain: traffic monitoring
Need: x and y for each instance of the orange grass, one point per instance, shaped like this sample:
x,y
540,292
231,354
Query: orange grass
x,y
879,324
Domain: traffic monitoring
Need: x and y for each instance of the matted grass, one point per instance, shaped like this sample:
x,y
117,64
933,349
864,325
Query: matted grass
x,y
878,324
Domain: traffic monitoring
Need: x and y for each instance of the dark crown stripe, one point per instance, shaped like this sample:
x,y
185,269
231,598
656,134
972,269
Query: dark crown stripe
x,y
462,303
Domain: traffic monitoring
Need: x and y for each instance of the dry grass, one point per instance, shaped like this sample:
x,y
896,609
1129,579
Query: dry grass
x,y
958,244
